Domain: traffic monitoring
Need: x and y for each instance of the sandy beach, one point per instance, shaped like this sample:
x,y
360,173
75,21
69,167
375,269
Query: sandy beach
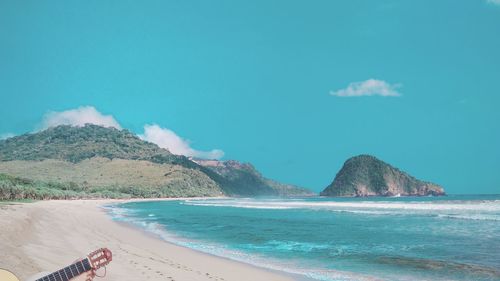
x,y
47,235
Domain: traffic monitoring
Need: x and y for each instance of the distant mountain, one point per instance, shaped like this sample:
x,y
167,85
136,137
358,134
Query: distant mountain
x,y
365,175
93,161
244,179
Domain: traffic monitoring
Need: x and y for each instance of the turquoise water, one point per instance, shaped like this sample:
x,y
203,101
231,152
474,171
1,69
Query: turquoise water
x,y
426,238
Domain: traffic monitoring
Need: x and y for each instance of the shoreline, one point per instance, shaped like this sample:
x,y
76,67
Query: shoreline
x,y
292,276
45,236
131,225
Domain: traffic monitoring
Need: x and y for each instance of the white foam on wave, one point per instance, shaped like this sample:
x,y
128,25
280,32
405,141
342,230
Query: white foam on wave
x,y
468,210
117,213
289,246
237,205
479,206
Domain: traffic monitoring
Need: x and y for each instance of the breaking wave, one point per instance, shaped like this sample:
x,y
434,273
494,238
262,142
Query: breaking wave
x,y
465,210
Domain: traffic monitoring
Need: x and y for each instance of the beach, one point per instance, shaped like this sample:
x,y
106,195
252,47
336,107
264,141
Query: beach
x,y
45,236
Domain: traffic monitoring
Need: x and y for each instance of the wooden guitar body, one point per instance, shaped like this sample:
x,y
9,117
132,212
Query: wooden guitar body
x,y
6,275
38,276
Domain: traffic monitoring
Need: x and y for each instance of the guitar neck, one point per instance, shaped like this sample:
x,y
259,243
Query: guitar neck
x,y
68,272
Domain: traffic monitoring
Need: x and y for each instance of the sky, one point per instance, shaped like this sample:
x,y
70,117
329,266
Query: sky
x,y
294,87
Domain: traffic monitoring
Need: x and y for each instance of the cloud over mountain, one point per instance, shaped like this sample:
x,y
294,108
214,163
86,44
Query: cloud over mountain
x,y
78,117
168,139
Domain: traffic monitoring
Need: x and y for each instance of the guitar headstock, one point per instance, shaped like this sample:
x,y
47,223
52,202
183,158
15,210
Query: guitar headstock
x,y
100,258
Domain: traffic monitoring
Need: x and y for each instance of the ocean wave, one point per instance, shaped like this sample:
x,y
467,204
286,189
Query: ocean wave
x,y
287,246
482,217
118,213
475,206
466,210
236,205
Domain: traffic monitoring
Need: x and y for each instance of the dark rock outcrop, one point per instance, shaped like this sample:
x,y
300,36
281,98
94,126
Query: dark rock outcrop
x,y
365,175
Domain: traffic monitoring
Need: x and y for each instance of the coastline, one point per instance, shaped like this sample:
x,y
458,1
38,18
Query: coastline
x,y
45,236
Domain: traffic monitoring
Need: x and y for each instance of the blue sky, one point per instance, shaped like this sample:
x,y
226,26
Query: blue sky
x,y
294,87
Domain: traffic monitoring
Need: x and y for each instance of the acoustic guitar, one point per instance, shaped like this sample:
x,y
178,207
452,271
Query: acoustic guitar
x,y
91,263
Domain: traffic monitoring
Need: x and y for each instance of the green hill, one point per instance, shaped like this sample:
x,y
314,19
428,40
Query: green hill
x,y
75,144
365,175
105,162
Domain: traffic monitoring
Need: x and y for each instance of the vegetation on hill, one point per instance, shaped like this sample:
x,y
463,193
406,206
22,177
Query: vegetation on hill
x,y
16,188
137,178
243,179
93,161
75,144
365,175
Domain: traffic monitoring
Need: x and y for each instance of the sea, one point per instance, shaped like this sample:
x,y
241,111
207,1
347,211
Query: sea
x,y
454,237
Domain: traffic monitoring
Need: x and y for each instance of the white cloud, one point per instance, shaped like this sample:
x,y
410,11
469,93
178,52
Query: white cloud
x,y
370,87
78,117
495,2
168,139
6,136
